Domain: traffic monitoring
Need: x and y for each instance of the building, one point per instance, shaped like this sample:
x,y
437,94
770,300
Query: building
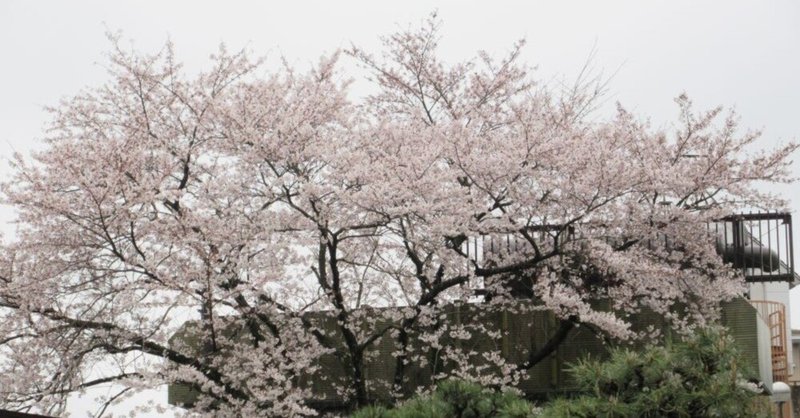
x,y
760,244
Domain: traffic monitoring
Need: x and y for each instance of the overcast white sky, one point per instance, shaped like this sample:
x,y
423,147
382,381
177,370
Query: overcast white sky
x,y
734,53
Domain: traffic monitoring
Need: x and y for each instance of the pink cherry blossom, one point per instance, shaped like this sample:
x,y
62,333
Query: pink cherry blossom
x,y
243,209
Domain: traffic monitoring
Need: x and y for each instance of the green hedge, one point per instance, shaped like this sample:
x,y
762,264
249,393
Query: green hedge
x,y
457,399
701,376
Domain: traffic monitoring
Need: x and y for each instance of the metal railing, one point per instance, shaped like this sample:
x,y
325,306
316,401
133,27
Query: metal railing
x,y
759,244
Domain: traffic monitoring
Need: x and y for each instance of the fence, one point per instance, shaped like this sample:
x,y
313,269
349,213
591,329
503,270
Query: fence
x,y
759,244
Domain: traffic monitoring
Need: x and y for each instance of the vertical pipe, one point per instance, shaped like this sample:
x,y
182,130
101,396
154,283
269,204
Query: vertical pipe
x,y
761,253
738,240
725,235
790,259
769,240
750,261
737,245
777,243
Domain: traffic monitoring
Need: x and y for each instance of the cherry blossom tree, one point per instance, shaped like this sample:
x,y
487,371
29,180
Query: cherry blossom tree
x,y
247,207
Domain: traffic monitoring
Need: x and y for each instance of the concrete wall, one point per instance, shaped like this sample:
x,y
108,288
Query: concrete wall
x,y
524,332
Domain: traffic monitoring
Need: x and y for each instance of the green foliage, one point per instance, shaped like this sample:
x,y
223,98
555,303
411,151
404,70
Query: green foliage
x,y
457,399
699,377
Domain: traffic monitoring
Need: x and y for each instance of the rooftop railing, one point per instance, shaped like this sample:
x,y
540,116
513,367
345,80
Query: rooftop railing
x,y
759,244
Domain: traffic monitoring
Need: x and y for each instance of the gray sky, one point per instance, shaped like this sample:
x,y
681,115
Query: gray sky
x,y
734,53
